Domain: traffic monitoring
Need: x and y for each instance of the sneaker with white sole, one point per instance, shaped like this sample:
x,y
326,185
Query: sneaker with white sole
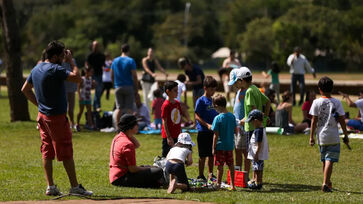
x,y
80,190
52,191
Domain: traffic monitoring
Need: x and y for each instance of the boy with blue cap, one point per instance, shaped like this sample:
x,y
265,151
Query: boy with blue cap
x,y
258,148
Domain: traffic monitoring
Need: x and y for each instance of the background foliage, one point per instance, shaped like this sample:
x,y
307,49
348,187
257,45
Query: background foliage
x,y
330,32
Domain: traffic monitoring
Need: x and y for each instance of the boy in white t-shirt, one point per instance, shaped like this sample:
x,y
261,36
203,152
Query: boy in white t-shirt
x,y
327,112
356,123
258,148
182,90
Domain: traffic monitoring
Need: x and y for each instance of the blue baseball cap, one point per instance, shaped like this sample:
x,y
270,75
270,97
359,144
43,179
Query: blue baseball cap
x,y
240,73
255,114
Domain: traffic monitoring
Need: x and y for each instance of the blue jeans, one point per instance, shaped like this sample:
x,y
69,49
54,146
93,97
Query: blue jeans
x,y
294,79
98,92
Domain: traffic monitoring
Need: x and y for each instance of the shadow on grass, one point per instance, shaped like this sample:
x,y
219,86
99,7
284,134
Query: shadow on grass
x,y
285,188
277,187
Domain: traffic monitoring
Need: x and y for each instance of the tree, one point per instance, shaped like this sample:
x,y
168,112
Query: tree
x,y
18,102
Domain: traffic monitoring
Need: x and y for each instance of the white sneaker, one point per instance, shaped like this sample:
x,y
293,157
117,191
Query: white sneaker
x,y
80,190
228,104
52,191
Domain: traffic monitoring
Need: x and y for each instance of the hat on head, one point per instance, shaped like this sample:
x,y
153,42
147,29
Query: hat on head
x,y
184,138
240,73
127,121
255,114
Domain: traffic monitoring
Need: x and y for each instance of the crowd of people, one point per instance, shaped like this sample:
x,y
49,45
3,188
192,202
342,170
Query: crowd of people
x,y
220,133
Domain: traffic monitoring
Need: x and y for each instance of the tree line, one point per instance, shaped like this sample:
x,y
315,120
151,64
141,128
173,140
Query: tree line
x,y
329,32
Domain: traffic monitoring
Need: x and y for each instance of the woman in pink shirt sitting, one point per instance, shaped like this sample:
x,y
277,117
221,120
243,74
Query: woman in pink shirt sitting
x,y
123,168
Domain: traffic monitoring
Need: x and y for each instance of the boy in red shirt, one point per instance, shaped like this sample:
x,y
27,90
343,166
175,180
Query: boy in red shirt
x,y
170,113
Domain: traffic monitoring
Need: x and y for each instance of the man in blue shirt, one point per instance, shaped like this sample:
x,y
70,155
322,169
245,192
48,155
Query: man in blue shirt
x,y
48,78
124,78
195,75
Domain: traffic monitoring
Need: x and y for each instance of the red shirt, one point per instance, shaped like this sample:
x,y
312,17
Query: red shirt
x,y
156,106
122,155
306,107
171,113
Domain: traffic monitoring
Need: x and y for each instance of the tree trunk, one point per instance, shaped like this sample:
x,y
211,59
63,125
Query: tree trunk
x,y
14,73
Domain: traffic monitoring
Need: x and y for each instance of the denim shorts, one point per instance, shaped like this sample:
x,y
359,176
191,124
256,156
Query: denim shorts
x,y
258,165
355,124
329,153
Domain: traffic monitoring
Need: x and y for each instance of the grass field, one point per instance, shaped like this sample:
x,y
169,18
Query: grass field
x,y
292,174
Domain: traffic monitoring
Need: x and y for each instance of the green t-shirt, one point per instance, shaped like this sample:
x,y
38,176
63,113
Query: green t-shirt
x,y
254,97
274,76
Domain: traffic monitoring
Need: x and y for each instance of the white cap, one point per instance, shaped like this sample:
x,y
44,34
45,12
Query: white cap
x,y
240,73
184,138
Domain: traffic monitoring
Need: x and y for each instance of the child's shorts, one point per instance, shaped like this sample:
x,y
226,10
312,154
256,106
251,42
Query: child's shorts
x,y
85,102
240,140
329,153
56,137
205,143
178,170
258,165
356,124
222,157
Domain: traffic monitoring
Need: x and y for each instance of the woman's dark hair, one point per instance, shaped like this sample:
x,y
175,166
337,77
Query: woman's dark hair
x,y
326,84
286,96
210,82
188,146
275,67
124,128
54,48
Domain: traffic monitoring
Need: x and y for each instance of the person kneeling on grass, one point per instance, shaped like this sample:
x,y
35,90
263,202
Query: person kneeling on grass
x,y
123,169
179,155
258,148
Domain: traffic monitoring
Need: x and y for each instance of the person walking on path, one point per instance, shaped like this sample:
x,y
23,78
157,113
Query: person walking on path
x,y
124,78
47,79
299,65
96,60
149,63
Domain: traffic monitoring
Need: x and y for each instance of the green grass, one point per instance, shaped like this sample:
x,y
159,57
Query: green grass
x,y
292,174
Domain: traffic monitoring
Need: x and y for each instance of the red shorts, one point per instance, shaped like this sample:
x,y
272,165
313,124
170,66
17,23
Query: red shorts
x,y
222,156
56,137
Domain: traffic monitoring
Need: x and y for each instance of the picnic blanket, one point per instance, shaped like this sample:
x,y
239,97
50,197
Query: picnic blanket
x,y
158,132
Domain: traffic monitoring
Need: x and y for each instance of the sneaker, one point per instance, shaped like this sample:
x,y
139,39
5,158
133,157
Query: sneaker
x,y
330,185
77,128
202,177
52,191
80,190
326,189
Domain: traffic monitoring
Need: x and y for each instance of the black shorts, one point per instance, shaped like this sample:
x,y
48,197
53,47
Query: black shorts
x,y
178,170
165,147
107,85
205,143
